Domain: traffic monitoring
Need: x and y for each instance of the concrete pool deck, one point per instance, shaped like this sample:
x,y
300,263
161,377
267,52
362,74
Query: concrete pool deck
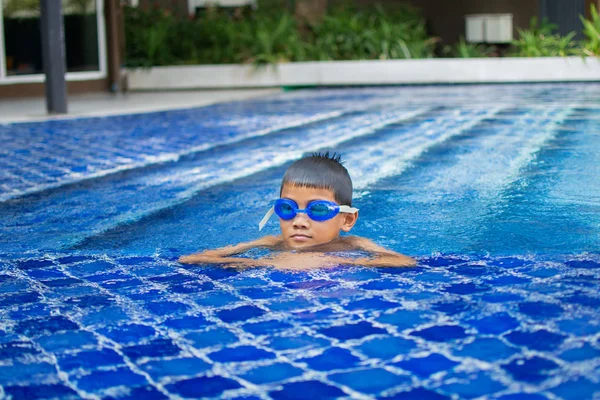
x,y
103,104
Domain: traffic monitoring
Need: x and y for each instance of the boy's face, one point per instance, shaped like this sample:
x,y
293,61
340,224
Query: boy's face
x,y
301,231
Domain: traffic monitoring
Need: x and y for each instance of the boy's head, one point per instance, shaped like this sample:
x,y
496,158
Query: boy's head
x,y
315,201
321,171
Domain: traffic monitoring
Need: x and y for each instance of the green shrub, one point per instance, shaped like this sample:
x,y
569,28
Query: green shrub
x,y
591,29
541,41
462,49
270,35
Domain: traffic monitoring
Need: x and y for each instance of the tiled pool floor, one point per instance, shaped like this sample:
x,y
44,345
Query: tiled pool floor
x,y
144,327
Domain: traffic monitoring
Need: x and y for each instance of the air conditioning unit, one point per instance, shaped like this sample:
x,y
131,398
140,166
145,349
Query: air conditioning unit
x,y
489,28
193,4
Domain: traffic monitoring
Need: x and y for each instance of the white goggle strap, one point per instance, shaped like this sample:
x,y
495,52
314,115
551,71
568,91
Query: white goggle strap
x,y
266,218
263,222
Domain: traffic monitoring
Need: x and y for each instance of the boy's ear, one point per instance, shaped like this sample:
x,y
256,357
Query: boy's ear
x,y
349,221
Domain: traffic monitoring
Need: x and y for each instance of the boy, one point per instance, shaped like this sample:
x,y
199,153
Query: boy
x,y
314,206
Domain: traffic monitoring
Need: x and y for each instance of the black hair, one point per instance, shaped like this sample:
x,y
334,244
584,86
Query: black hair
x,y
323,171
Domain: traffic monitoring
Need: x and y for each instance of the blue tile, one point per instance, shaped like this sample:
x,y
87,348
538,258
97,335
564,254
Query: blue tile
x,y
34,264
586,264
582,299
40,392
315,284
540,310
291,305
494,324
121,284
487,349
187,322
537,340
13,350
240,314
371,381
499,297
66,341
508,280
203,386
106,317
534,369
167,307
141,392
19,298
466,288
45,273
330,359
135,260
34,327
374,303
191,287
523,396
454,307
306,390
441,333
90,359
584,352
71,259
271,373
404,319
418,394
352,331
59,283
261,293
217,299
86,269
99,380
212,337
267,327
386,348
302,341
577,389
479,386
155,348
125,334
579,326
385,284
240,353
175,367
425,366
90,301
20,372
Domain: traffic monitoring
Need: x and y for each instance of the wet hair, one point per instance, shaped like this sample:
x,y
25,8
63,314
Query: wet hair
x,y
322,171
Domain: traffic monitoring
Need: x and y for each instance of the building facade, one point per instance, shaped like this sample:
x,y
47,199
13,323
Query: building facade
x,y
90,41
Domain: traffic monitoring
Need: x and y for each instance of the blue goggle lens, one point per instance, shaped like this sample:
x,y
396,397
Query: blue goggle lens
x,y
318,210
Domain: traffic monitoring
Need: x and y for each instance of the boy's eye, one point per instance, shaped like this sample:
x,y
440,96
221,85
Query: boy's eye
x,y
319,209
286,208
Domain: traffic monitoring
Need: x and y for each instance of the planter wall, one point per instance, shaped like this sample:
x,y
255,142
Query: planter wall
x,y
388,72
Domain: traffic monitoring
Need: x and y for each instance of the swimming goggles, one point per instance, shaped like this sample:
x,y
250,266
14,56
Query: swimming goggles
x,y
317,210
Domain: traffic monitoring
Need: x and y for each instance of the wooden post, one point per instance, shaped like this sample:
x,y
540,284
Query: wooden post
x,y
113,20
53,56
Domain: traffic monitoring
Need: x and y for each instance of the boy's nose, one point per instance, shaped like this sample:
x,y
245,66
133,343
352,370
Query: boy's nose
x,y
301,221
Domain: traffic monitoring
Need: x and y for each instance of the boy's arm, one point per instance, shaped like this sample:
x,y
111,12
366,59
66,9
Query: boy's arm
x,y
221,256
382,257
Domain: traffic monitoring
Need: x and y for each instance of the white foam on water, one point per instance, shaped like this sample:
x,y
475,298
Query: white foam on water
x,y
497,160
71,142
222,168
393,155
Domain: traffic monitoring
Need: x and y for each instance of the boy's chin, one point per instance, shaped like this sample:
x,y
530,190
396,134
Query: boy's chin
x,y
304,245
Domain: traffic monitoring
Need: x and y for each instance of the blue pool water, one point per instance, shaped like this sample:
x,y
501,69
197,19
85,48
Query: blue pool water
x,y
494,189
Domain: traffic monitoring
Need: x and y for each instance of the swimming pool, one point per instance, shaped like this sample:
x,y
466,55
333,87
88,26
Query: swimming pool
x,y
493,188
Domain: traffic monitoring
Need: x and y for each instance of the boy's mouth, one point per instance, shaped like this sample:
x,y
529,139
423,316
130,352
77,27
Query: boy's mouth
x,y
299,237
